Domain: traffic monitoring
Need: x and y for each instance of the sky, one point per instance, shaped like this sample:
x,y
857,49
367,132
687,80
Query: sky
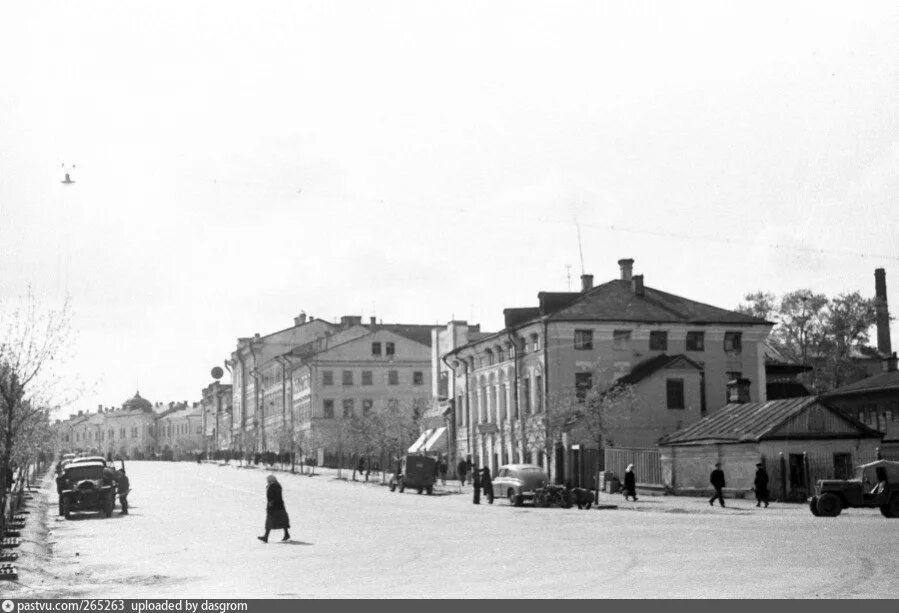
x,y
236,163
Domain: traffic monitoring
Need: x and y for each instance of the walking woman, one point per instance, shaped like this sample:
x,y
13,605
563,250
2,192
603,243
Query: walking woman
x,y
630,483
275,514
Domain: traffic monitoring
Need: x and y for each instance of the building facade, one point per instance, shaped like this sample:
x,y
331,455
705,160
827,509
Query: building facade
x,y
570,342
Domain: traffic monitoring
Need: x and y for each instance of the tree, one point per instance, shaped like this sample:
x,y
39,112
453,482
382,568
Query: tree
x,y
544,430
31,346
816,331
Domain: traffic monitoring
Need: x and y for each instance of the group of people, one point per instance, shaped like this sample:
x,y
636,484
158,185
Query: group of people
x,y
760,485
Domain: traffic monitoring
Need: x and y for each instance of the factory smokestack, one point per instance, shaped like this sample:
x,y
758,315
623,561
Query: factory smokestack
x,y
883,313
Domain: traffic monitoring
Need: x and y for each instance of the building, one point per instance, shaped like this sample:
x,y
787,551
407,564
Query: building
x,y
679,353
216,411
874,401
180,432
248,433
800,440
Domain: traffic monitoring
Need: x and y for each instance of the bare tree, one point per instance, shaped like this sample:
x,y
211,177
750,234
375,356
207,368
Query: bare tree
x,y
31,345
544,430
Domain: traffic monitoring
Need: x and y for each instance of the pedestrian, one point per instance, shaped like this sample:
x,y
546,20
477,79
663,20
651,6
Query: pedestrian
x,y
123,486
462,471
761,485
717,481
487,484
476,482
360,468
630,483
442,469
276,517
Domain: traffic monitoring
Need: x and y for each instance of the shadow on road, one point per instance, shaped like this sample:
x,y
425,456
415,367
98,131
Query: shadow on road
x,y
293,543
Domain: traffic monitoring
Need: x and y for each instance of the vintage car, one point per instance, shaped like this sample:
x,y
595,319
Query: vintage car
x,y
416,472
89,458
876,485
86,486
518,482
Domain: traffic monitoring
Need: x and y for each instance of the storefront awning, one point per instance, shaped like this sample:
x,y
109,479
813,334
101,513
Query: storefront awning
x,y
417,446
436,442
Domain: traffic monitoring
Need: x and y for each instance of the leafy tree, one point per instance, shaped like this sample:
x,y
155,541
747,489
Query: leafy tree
x,y
816,331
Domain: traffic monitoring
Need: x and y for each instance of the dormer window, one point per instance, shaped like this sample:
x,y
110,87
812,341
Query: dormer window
x,y
389,349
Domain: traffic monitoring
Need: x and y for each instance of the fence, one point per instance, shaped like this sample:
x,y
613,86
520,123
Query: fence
x,y
15,495
793,476
646,460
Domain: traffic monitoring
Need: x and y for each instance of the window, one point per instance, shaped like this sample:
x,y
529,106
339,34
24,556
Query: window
x,y
583,339
733,342
367,406
389,348
526,395
460,415
348,377
583,381
695,341
842,466
348,407
393,377
621,339
418,378
376,348
522,345
327,377
675,393
366,377
443,385
658,340
500,357
538,384
328,408
535,342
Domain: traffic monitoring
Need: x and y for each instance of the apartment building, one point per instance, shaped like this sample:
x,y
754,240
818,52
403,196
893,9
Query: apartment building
x,y
678,354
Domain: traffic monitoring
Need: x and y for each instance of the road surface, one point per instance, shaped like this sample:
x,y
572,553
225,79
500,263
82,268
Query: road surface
x,y
192,533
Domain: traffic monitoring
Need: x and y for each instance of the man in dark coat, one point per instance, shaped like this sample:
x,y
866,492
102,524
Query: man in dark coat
x,y
630,483
476,482
462,470
487,484
761,485
717,481
276,517
123,486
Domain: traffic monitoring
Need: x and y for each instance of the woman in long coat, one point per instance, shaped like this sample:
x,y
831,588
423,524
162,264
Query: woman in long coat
x,y
275,514
630,483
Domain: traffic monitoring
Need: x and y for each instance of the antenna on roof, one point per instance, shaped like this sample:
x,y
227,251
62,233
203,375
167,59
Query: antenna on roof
x,y
580,249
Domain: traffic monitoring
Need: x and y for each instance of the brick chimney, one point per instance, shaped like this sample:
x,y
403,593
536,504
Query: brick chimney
x,y
883,313
350,320
637,284
372,321
627,269
586,282
738,391
300,320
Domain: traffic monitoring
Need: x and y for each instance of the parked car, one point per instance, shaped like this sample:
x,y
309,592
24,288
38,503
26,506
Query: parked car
x,y
86,486
518,482
876,485
415,471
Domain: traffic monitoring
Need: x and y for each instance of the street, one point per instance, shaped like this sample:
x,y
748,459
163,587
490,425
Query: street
x,y
192,533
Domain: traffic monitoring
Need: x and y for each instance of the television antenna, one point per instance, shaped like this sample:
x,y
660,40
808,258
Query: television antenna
x,y
580,248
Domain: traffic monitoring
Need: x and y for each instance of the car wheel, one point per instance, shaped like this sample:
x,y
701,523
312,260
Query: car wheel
x,y
813,506
829,505
429,490
65,510
420,490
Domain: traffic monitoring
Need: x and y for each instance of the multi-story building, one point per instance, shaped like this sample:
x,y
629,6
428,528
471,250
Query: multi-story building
x,y
677,353
179,432
248,433
216,410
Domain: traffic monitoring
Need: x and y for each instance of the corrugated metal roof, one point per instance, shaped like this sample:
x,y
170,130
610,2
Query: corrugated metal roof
x,y
747,422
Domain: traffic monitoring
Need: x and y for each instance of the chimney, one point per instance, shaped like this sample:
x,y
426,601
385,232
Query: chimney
x,y
738,391
889,364
99,408
637,283
350,320
372,321
627,269
883,313
80,413
586,282
300,320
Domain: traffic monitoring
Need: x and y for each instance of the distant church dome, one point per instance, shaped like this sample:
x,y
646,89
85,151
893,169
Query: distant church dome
x,y
138,404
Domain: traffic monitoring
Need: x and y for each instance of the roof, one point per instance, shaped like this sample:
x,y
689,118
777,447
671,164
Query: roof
x,y
753,421
415,332
647,367
137,403
617,301
881,382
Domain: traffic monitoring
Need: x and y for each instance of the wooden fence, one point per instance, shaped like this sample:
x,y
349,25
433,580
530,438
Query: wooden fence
x,y
647,463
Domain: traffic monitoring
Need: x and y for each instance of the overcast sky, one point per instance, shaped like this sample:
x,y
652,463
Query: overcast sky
x,y
237,163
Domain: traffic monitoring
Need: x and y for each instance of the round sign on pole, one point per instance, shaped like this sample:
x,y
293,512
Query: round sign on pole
x,y
217,373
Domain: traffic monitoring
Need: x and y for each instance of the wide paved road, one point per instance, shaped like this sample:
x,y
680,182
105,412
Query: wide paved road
x,y
192,533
